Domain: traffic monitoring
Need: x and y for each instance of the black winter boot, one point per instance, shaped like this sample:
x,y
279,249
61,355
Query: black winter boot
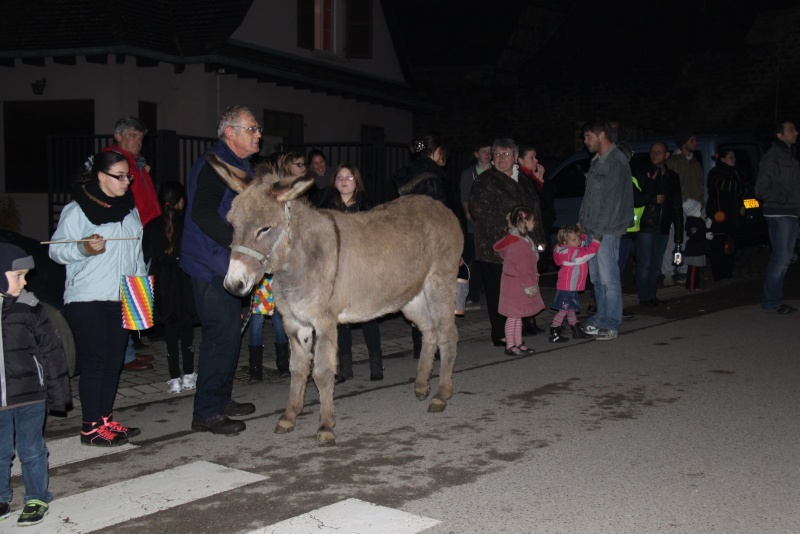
x,y
256,364
529,326
282,359
555,335
376,366
578,332
345,368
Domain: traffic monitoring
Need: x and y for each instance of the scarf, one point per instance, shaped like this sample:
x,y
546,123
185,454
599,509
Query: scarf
x,y
100,208
530,174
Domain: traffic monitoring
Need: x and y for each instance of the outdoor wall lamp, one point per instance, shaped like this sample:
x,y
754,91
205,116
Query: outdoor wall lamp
x,y
38,86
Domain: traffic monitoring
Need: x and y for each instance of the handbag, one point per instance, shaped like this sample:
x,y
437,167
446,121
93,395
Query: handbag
x,y
137,302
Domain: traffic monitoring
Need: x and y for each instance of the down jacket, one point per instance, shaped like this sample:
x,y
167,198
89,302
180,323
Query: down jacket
x,y
34,367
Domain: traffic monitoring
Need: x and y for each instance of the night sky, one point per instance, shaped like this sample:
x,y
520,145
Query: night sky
x,y
475,32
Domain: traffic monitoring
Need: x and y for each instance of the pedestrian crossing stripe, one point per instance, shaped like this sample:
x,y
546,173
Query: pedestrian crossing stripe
x,y
352,516
69,451
139,497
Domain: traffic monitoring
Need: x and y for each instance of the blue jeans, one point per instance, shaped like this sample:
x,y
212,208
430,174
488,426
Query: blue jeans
x,y
782,235
130,352
27,422
650,247
604,272
221,323
257,329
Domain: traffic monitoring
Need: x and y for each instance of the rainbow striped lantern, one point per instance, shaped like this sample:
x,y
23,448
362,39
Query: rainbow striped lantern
x,y
137,302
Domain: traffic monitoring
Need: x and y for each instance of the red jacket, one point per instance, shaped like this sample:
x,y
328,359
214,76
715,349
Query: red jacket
x,y
573,263
519,272
144,192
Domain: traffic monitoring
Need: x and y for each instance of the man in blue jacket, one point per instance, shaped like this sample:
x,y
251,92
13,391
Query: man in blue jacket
x,y
778,188
205,254
606,214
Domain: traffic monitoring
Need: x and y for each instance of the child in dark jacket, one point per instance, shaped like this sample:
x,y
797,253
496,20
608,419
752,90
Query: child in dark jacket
x,y
34,377
697,246
174,300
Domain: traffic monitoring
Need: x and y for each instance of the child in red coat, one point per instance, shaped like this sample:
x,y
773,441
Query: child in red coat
x,y
519,285
572,256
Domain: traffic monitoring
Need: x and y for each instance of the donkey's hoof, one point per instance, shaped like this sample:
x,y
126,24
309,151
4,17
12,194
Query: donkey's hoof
x,y
437,405
422,392
284,427
326,438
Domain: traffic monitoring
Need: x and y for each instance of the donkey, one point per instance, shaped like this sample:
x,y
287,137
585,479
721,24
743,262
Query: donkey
x,y
330,267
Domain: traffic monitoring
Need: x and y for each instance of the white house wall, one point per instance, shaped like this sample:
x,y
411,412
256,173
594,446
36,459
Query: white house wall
x,y
188,103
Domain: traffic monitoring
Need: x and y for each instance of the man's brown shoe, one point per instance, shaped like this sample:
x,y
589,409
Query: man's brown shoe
x,y
145,358
237,409
137,365
219,424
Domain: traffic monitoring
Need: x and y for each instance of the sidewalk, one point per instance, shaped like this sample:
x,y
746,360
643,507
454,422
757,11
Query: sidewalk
x,y
149,386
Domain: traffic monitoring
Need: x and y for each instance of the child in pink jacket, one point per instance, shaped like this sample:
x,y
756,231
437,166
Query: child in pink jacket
x,y
519,285
571,256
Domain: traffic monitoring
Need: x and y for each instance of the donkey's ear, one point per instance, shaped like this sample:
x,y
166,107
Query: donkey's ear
x,y
236,179
295,189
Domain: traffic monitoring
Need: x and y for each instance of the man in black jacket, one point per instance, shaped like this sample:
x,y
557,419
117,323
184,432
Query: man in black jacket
x,y
778,188
661,196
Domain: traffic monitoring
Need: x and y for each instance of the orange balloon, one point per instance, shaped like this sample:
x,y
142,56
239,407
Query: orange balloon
x,y
720,216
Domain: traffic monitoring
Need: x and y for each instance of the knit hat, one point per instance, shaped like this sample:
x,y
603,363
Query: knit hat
x,y
681,137
12,258
692,208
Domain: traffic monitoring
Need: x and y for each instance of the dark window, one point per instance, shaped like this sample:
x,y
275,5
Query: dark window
x,y
305,24
27,126
358,38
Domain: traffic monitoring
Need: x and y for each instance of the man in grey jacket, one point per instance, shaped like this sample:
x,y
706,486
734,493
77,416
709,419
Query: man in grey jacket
x,y
778,188
606,213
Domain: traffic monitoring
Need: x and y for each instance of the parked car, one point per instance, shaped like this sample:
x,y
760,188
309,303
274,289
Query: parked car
x,y
46,281
569,177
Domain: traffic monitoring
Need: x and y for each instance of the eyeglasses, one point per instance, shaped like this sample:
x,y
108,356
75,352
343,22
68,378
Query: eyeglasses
x,y
299,163
348,178
658,151
120,177
249,129
503,154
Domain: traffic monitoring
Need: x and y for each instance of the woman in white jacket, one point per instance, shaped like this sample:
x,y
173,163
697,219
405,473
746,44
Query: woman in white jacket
x,y
103,208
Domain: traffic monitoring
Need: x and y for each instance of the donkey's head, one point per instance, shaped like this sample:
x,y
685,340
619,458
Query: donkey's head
x,y
261,219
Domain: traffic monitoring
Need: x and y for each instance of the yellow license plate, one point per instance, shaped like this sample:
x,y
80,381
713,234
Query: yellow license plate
x,y
750,203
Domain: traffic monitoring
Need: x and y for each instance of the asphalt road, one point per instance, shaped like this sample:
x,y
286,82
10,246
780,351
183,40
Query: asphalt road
x,y
686,423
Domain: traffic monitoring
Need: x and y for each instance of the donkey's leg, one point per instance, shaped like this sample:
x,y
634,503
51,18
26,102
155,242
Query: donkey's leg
x,y
324,369
301,343
441,296
417,312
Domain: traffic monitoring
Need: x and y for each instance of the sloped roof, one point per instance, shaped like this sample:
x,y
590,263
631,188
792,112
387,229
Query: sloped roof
x,y
180,32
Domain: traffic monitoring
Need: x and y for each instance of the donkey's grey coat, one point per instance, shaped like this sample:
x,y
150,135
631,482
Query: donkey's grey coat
x,y
330,267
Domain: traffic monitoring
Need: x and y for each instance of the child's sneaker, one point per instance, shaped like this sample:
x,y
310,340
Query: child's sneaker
x,y
33,513
174,385
98,434
5,510
189,381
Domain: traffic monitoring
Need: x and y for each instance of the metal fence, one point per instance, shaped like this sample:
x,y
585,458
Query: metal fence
x,y
171,156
